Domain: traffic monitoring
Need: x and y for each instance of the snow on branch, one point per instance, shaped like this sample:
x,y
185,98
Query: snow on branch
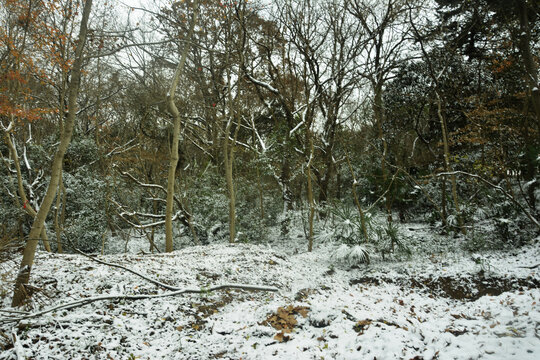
x,y
496,187
155,282
121,148
8,128
183,211
147,215
178,215
263,84
296,127
263,146
151,186
384,193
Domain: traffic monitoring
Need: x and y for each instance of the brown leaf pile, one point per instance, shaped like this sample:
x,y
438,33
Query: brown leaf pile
x,y
285,321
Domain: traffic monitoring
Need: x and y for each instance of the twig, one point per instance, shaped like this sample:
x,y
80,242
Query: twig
x,y
384,193
154,186
87,301
14,312
165,286
418,186
530,267
19,350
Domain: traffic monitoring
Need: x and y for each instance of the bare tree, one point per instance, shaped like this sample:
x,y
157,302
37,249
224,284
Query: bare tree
x,y
20,294
436,75
385,24
176,132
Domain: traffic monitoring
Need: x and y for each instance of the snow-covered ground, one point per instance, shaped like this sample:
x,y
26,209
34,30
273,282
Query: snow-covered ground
x,y
431,306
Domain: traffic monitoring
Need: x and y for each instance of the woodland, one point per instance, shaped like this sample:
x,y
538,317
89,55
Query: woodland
x,y
362,134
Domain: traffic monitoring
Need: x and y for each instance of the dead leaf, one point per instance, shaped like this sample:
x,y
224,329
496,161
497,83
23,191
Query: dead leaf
x,y
456,332
281,337
303,311
361,326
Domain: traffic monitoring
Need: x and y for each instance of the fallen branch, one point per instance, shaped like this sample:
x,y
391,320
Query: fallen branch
x,y
530,267
9,311
155,282
86,301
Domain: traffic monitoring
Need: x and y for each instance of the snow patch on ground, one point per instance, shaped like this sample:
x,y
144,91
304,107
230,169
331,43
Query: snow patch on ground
x,y
385,310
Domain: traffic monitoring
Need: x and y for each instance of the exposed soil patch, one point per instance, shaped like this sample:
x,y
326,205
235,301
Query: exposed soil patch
x,y
369,280
465,288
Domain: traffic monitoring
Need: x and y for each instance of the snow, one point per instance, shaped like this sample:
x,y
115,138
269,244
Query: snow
x,y
529,183
300,123
380,310
267,86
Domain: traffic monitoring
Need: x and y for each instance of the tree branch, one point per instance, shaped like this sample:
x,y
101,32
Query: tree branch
x,y
155,282
496,187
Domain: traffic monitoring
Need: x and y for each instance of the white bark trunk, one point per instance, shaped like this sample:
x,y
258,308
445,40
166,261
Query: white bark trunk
x,y
176,135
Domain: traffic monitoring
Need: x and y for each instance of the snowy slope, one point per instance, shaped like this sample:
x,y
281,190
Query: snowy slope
x,y
387,310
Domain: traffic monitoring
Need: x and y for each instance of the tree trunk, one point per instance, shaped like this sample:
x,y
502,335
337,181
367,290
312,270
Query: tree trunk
x,y
258,173
531,72
176,134
20,294
338,185
22,193
444,214
378,111
329,135
447,166
531,68
310,190
286,194
228,160
228,147
60,204
259,186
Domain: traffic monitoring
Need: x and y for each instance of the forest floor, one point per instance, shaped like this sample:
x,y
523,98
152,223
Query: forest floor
x,y
432,305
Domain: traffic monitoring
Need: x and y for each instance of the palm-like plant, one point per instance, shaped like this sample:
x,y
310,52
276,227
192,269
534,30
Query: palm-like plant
x,y
388,238
348,231
348,227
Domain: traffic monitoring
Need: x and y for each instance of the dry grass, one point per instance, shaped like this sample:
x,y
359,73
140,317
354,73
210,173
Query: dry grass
x,y
8,247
